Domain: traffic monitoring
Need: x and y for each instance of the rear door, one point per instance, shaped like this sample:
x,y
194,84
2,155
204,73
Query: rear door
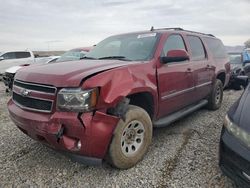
x,y
175,80
201,66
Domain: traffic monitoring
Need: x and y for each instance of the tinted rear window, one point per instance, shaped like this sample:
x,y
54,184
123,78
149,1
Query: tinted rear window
x,y
216,47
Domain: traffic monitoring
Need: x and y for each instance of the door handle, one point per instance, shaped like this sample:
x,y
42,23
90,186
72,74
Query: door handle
x,y
189,70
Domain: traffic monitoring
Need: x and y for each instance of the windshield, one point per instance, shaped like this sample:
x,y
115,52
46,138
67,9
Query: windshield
x,y
235,58
72,55
133,47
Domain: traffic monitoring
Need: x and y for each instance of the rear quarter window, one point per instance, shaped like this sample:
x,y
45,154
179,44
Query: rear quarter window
x,y
216,47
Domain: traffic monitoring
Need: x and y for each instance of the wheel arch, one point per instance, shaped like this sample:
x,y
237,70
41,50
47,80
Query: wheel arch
x,y
222,77
144,100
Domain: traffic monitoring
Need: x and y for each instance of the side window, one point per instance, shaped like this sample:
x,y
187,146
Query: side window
x,y
9,55
173,42
197,48
22,55
216,47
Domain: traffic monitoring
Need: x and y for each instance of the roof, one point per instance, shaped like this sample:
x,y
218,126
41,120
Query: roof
x,y
179,29
170,29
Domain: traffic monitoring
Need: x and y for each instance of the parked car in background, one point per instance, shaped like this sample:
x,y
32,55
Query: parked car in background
x,y
74,54
106,105
246,54
238,78
8,76
14,58
246,61
235,141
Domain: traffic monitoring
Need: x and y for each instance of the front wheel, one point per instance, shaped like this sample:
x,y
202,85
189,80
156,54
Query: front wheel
x,y
216,96
131,138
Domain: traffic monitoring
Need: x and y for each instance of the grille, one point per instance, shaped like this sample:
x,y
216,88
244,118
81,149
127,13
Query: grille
x,y
35,87
37,98
31,103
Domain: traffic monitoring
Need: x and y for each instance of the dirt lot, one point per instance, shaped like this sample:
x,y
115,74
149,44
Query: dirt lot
x,y
182,155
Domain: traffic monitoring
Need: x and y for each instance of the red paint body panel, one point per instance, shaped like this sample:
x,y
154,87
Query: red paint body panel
x,y
95,134
172,87
136,78
65,74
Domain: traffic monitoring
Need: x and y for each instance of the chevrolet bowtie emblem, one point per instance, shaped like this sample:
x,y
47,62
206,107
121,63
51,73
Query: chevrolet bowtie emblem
x,y
25,92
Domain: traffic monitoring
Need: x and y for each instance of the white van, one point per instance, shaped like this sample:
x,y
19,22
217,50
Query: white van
x,y
13,58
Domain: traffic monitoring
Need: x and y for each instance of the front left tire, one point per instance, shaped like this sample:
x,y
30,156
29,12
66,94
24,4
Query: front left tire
x,y
131,138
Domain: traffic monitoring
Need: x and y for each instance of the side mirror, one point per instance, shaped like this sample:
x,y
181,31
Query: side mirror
x,y
1,58
175,56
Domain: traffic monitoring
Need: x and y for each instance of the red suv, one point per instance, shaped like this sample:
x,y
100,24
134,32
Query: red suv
x,y
106,105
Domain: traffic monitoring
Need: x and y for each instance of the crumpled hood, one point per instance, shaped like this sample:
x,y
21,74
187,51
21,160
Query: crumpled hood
x,y
66,74
240,111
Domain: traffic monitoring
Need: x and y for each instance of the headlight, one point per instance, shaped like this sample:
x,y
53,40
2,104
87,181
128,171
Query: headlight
x,y
77,100
237,131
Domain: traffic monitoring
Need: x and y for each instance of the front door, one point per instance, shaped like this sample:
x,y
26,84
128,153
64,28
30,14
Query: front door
x,y
175,80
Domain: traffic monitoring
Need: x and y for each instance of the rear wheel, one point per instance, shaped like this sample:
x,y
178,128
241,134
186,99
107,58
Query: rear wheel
x,y
131,138
216,96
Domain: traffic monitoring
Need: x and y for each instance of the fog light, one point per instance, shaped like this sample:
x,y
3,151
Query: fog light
x,y
79,145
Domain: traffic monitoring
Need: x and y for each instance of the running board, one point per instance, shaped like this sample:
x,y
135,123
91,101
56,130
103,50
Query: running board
x,y
165,121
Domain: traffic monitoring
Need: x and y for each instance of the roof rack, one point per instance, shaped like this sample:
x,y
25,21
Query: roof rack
x,y
180,29
166,28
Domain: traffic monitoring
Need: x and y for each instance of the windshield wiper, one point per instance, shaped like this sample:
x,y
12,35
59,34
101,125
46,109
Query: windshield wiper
x,y
86,57
116,57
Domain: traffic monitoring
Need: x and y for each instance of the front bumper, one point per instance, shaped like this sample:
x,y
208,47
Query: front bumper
x,y
234,159
94,131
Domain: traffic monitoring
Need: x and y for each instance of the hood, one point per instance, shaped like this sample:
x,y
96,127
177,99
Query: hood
x,y
66,74
240,111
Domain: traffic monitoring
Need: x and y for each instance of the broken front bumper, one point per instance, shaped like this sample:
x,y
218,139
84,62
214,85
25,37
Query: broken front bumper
x,y
64,130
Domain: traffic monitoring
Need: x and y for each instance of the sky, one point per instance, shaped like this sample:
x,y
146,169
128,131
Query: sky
x,y
66,24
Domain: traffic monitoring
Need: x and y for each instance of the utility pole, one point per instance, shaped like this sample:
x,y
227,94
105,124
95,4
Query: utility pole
x,y
49,43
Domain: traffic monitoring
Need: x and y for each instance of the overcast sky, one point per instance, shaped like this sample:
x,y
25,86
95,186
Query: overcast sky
x,y
65,24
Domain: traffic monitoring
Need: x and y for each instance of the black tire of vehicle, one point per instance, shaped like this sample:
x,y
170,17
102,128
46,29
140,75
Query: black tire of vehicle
x,y
115,156
213,102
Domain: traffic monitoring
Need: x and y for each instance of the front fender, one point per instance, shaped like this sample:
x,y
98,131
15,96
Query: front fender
x,y
118,83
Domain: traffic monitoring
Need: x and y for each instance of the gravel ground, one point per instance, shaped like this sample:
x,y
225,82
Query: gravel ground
x,y
182,155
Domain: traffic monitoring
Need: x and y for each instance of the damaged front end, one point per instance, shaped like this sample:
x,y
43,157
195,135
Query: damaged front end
x,y
238,79
66,120
85,137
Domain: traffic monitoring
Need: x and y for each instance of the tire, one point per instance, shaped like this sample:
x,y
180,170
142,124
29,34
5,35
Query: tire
x,y
216,96
131,139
